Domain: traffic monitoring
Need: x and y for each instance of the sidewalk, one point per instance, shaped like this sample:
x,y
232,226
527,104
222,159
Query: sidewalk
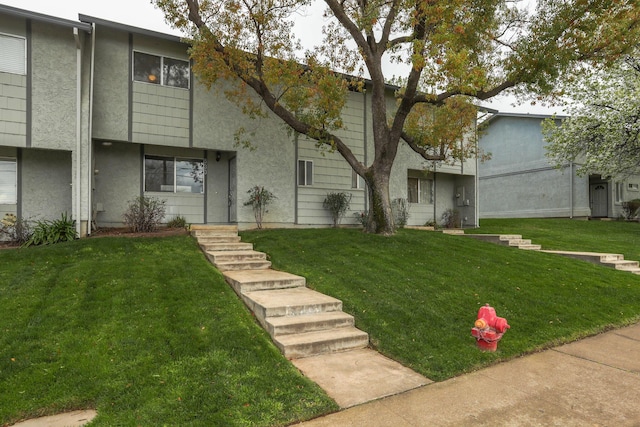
x,y
594,382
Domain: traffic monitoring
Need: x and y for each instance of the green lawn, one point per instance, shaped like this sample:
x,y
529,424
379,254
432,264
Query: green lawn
x,y
148,333
144,330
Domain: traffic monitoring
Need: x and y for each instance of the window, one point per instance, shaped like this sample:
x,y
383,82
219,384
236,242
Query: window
x,y
160,70
420,190
8,182
357,181
632,186
619,187
174,175
13,54
305,172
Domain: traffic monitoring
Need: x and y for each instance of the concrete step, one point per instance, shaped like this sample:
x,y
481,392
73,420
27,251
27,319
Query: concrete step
x,y
516,242
622,264
289,302
295,346
285,325
226,246
242,265
260,280
218,239
593,257
228,256
201,227
530,247
213,233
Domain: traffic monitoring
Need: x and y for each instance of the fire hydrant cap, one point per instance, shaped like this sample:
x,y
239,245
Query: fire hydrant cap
x,y
480,324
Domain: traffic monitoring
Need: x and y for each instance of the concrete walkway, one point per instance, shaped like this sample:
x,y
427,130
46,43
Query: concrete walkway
x,y
592,382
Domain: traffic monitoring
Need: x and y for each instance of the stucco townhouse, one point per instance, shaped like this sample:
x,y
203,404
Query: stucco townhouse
x,y
94,114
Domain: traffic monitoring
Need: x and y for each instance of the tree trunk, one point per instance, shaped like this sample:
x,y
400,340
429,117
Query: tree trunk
x,y
380,220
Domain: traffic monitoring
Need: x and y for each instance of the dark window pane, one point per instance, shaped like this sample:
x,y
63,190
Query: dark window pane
x,y
146,68
176,73
158,174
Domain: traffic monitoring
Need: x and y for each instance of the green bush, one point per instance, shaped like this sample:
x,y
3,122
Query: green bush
x,y
337,204
144,214
50,232
259,199
177,222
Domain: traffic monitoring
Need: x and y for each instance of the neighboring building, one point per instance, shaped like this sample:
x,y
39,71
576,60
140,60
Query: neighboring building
x,y
519,182
95,113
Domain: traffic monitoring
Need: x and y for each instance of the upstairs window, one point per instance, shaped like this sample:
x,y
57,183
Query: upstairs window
x,y
160,70
8,182
357,182
305,172
174,175
13,54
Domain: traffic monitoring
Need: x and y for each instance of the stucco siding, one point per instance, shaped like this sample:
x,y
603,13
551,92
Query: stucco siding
x,y
46,184
117,181
111,85
54,82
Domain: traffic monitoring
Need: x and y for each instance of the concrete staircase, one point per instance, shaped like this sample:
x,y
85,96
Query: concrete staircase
x,y
513,240
616,261
301,322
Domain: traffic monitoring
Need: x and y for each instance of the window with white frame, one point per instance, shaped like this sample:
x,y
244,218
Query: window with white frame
x,y
357,182
160,70
174,175
619,189
632,186
8,181
305,172
420,190
13,54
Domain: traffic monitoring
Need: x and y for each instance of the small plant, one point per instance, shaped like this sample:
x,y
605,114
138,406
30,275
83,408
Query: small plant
x,y
451,218
361,217
177,222
337,204
16,230
50,232
400,208
259,199
144,214
630,209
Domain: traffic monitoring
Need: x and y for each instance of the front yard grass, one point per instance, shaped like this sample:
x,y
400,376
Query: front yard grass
x,y
417,293
144,330
147,332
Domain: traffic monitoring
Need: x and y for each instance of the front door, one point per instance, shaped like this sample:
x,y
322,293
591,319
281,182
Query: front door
x,y
599,196
233,196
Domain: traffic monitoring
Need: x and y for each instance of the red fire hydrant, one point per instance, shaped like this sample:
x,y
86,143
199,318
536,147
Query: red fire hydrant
x,y
489,328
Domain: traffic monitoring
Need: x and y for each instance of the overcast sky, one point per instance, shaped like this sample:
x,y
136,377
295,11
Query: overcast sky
x,y
141,13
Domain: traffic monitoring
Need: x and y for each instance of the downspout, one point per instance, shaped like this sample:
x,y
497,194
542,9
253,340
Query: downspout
x,y
90,164
78,187
477,183
571,189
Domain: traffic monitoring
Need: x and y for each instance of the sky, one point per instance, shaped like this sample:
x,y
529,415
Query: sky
x,y
143,14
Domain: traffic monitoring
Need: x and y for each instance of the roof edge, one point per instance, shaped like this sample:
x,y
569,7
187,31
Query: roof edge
x,y
27,14
129,28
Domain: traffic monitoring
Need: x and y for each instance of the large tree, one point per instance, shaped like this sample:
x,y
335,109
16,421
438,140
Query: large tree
x,y
455,52
603,133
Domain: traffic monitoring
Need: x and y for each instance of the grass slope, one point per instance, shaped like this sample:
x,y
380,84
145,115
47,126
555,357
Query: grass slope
x,y
417,293
145,331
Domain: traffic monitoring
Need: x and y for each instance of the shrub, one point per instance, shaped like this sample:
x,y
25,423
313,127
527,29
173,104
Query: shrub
x,y
16,230
259,199
50,232
337,204
178,222
362,217
144,214
630,208
451,218
400,208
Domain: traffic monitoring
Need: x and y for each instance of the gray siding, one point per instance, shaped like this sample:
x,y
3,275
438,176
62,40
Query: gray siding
x,y
54,80
160,115
46,184
13,110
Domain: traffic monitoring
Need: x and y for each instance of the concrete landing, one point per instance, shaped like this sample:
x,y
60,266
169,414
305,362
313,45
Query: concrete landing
x,y
68,419
358,376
